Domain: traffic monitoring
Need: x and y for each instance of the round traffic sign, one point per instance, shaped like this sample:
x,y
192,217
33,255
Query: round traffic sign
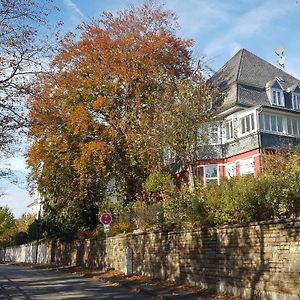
x,y
105,219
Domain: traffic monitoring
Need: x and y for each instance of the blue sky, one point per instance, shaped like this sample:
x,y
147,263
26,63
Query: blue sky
x,y
219,29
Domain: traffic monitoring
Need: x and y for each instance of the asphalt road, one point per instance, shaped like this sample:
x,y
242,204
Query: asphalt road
x,y
26,283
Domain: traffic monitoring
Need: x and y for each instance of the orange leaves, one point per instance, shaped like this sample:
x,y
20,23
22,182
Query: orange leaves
x,y
102,103
79,121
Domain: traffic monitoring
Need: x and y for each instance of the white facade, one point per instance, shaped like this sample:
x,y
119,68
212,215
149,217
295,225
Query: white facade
x,y
35,208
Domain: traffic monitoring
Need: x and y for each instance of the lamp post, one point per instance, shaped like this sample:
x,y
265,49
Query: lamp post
x,y
38,236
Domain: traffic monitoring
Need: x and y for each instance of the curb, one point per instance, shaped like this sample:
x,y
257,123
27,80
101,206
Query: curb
x,y
150,291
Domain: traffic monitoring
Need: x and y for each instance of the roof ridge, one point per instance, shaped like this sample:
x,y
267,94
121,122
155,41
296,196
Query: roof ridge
x,y
238,75
240,65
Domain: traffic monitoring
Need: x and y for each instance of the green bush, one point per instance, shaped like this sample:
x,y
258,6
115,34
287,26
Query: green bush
x,y
158,182
20,238
185,206
239,199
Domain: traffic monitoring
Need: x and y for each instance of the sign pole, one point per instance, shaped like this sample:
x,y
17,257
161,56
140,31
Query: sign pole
x,y
106,220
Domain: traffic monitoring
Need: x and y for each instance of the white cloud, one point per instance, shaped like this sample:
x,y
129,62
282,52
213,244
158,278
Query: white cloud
x,y
74,7
196,16
248,24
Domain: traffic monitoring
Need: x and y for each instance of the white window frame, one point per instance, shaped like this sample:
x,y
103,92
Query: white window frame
x,y
242,119
243,163
230,167
287,123
297,123
277,97
271,117
230,123
210,178
296,101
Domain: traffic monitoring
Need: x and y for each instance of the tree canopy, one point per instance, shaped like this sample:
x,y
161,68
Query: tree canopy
x,y
118,95
7,223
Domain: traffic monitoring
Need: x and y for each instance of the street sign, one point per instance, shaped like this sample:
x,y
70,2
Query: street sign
x,y
106,228
105,219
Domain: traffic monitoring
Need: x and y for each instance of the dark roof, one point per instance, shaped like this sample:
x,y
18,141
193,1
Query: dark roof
x,y
244,77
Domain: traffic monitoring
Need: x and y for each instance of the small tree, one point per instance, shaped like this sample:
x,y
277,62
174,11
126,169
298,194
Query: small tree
x,y
7,224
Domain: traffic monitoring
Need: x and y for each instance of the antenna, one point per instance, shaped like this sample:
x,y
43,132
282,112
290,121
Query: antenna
x,y
281,58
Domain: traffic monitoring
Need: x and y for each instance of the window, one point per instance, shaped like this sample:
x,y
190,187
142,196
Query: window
x,y
211,174
208,134
229,130
277,97
247,124
296,101
230,170
271,123
293,127
214,137
168,156
247,166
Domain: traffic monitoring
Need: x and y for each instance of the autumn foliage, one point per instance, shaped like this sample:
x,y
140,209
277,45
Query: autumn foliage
x,y
107,108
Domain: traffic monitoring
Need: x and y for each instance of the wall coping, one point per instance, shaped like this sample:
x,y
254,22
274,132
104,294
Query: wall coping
x,y
215,228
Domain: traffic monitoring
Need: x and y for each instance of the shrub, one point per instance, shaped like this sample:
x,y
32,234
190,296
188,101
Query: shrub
x,y
239,199
185,206
20,238
147,215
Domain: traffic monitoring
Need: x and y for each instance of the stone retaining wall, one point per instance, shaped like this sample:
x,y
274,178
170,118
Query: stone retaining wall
x,y
257,260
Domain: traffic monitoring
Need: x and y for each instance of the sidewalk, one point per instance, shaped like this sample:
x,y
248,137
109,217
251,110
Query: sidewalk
x,y
159,289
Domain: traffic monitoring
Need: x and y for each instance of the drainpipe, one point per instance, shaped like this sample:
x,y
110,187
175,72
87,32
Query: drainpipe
x,y
258,112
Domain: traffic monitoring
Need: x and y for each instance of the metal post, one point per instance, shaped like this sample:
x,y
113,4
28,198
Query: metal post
x,y
38,237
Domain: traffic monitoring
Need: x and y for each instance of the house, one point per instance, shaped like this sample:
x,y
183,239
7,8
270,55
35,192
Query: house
x,y
36,207
260,112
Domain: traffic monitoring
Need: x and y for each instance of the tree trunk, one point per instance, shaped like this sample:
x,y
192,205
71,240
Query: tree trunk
x,y
191,178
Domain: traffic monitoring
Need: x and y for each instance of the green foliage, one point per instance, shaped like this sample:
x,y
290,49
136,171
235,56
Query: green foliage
x,y
7,225
185,206
21,238
273,194
238,200
34,230
118,209
158,181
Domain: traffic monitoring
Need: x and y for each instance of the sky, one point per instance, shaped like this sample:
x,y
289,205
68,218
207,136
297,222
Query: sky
x,y
219,29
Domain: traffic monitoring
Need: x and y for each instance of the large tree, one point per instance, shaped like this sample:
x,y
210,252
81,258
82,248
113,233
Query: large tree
x,y
22,55
106,110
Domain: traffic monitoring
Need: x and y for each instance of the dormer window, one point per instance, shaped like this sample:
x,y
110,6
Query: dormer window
x,y
274,91
296,101
277,97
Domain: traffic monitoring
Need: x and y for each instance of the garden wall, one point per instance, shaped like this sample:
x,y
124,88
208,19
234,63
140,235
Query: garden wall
x,y
257,260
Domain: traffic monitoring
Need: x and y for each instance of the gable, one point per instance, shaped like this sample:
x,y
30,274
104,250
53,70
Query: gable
x,y
297,89
276,85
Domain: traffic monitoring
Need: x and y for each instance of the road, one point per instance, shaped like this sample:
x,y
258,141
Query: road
x,y
27,283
